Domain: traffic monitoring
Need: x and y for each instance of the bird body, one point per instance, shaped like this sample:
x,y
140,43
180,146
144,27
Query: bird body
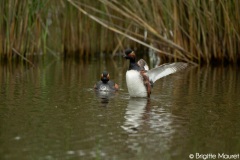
x,y
140,79
105,84
109,86
135,84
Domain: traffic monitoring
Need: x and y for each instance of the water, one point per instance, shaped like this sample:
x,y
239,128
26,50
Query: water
x,y
52,112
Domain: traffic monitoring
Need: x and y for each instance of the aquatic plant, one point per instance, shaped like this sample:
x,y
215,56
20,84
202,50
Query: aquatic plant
x,y
21,27
196,31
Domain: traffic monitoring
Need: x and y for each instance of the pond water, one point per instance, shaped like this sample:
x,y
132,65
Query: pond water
x,y
52,112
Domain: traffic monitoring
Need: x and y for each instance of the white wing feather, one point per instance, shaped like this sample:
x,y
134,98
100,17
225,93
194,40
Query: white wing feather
x,y
143,64
164,70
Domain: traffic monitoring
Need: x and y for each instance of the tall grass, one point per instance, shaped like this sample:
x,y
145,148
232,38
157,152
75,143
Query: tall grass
x,y
196,31
190,30
82,36
20,27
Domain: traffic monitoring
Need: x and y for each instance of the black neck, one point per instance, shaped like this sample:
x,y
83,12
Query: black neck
x,y
133,65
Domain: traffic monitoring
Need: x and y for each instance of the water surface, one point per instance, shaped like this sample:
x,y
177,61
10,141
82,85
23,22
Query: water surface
x,y
52,112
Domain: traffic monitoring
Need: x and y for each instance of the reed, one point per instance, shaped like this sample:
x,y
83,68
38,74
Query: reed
x,y
20,28
196,31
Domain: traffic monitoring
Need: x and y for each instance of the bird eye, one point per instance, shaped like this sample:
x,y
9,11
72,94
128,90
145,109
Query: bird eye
x,y
132,54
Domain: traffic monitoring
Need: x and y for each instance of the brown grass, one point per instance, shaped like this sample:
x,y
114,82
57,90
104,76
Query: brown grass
x,y
198,31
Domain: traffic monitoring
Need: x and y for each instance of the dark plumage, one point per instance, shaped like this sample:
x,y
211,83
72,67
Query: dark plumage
x,y
106,84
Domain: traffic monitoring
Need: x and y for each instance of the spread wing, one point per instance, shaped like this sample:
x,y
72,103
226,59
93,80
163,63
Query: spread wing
x,y
143,64
164,70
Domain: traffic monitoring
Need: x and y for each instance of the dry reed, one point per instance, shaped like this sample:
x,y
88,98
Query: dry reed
x,y
196,31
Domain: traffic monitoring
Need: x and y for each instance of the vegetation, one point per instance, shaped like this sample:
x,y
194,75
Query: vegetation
x,y
21,27
196,31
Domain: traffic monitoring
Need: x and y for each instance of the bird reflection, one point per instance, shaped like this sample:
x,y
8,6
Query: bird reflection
x,y
104,97
135,114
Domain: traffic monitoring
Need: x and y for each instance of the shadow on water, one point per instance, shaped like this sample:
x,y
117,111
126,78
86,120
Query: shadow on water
x,y
52,112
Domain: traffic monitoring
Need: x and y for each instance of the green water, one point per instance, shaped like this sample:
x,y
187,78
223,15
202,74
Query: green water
x,y
52,112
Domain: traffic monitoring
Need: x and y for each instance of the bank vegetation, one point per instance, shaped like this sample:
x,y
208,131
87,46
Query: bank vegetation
x,y
195,31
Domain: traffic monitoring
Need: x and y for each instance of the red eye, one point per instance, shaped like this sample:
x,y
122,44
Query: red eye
x,y
132,54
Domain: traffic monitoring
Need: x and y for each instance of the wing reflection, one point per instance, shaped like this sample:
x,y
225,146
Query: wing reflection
x,y
135,114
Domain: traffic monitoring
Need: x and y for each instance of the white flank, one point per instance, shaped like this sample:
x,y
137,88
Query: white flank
x,y
135,85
